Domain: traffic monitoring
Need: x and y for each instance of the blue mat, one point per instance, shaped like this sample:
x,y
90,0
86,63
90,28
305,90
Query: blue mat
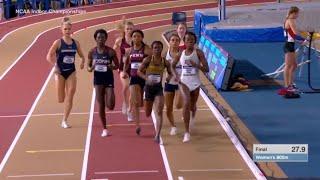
x,y
272,118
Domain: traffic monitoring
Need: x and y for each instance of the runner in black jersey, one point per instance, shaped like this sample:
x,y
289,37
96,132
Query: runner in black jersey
x,y
134,58
62,55
103,60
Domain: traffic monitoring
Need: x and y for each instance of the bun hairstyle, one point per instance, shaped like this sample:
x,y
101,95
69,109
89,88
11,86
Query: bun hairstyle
x,y
120,26
292,10
66,21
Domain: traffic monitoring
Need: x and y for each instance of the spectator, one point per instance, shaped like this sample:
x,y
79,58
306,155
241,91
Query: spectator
x,y
1,10
55,4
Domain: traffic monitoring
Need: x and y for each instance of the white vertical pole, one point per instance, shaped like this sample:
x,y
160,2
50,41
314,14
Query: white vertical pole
x,y
222,9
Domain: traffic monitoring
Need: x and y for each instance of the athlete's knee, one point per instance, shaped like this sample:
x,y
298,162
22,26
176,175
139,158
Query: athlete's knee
x,y
72,91
186,103
110,106
193,108
60,100
169,113
158,111
148,113
179,105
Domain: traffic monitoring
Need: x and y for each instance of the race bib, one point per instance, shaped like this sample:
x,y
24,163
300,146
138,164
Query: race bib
x,y
189,71
178,69
135,65
100,68
154,78
68,59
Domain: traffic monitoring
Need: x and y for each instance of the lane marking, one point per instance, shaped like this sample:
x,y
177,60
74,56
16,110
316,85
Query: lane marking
x,y
127,172
54,150
180,178
23,53
69,9
41,175
208,170
86,113
224,124
234,139
88,138
25,122
162,150
80,21
107,12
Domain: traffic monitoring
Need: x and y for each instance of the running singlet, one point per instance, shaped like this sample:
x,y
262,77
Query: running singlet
x,y
123,46
102,74
66,56
154,72
136,58
190,74
178,68
289,34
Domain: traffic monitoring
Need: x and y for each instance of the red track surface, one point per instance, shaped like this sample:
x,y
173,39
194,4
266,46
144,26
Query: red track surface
x,y
104,152
17,98
12,25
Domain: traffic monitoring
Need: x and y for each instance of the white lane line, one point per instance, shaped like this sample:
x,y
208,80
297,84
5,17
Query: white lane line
x,y
180,178
35,40
234,139
85,113
54,150
88,139
25,122
127,172
24,52
163,151
224,124
139,7
86,156
209,170
41,175
69,9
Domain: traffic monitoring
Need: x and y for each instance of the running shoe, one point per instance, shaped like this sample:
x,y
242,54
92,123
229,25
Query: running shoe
x,y
157,139
129,114
282,91
138,130
186,137
293,88
173,131
65,125
104,133
124,109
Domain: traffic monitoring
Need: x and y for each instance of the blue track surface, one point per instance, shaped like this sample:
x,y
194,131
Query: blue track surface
x,y
272,118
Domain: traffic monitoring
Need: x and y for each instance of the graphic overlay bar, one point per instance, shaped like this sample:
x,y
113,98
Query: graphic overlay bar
x,y
280,152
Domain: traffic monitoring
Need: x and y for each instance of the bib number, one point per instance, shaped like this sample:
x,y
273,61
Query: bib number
x,y
154,78
135,65
178,69
189,71
100,68
68,59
